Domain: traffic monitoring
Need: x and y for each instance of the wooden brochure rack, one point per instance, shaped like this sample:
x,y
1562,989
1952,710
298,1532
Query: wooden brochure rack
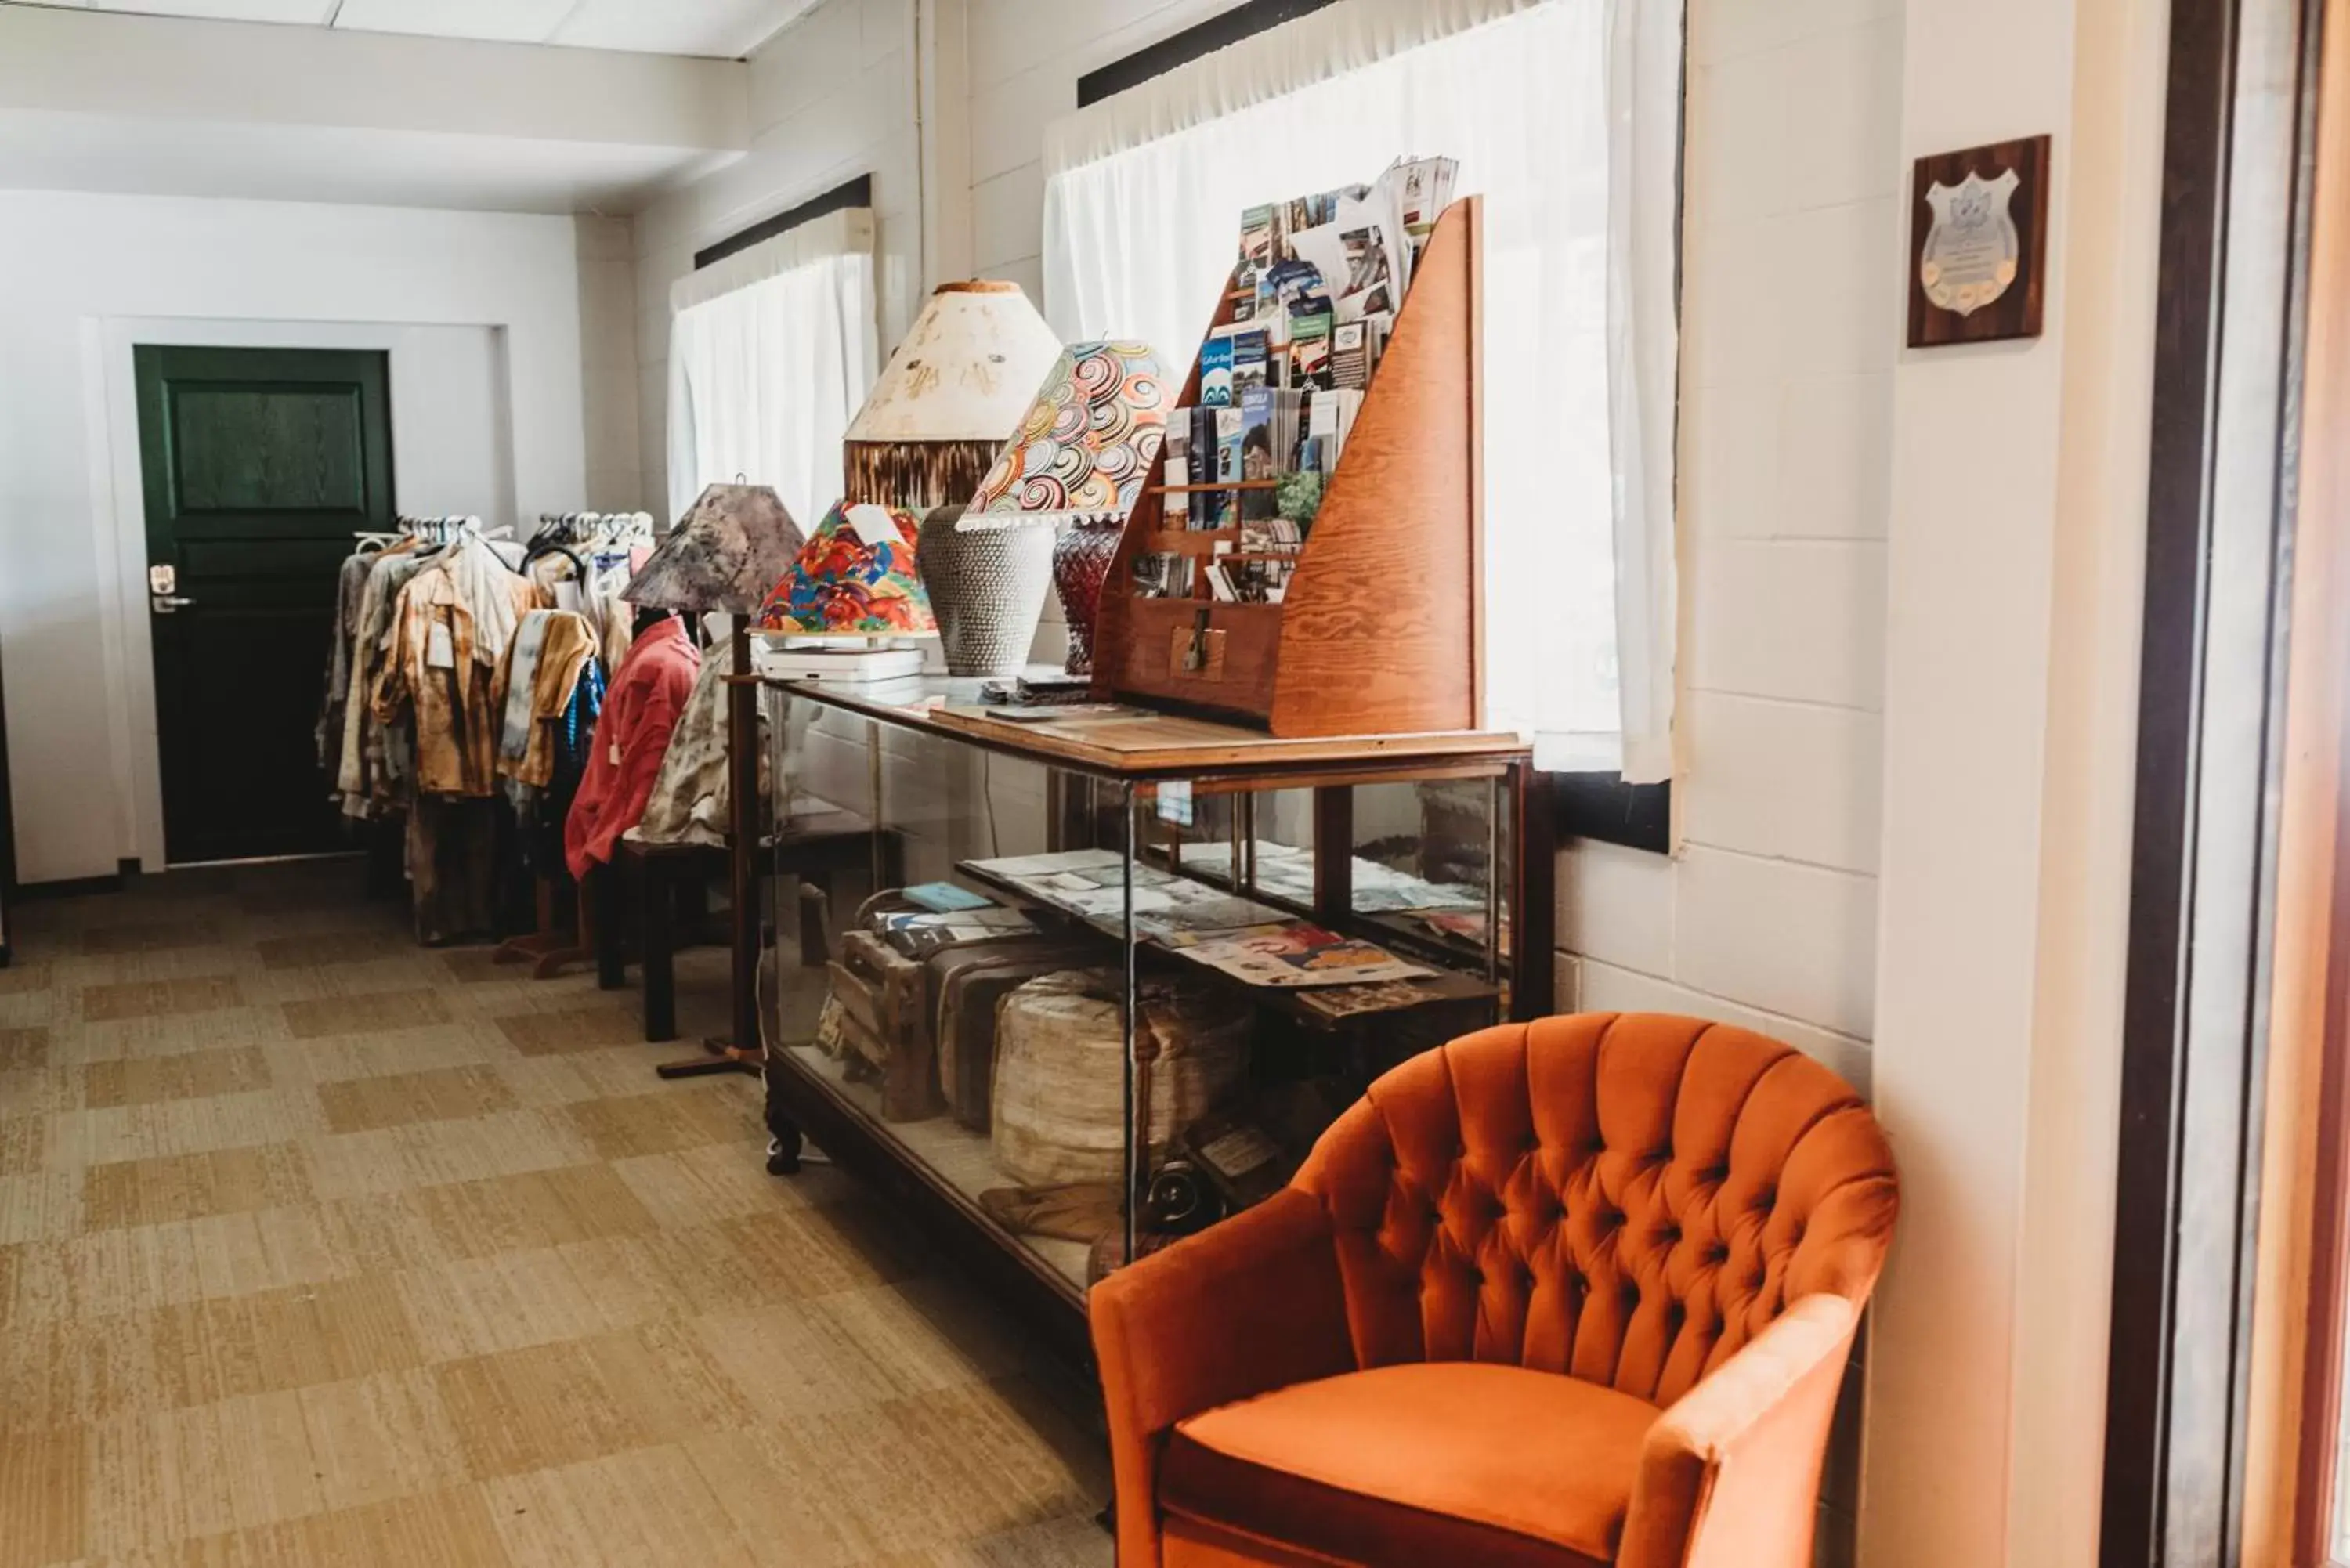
x,y
1378,630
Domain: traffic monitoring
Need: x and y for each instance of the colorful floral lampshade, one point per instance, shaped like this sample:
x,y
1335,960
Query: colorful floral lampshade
x,y
855,578
1087,445
736,542
955,386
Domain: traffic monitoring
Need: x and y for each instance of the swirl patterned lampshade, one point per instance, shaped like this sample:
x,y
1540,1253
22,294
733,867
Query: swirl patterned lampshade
x,y
1087,445
855,578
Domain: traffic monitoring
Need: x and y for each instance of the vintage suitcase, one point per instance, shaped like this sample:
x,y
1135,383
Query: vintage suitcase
x,y
882,995
1058,1108
967,983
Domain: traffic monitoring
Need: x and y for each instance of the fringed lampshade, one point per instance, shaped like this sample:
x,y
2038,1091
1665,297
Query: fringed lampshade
x,y
1080,458
855,579
736,542
955,386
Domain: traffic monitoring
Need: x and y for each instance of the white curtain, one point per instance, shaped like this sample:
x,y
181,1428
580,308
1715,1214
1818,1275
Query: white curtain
x,y
1565,115
772,351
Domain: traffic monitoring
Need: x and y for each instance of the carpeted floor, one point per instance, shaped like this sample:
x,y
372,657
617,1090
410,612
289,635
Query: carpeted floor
x,y
317,1248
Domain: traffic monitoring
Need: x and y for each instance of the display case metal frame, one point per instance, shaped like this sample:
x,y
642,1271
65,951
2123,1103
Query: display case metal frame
x,y
1130,757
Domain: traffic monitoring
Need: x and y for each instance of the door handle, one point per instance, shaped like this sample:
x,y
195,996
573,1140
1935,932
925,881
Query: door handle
x,y
167,604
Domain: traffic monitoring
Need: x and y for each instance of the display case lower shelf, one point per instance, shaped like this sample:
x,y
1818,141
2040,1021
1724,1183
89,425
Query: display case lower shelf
x,y
946,1161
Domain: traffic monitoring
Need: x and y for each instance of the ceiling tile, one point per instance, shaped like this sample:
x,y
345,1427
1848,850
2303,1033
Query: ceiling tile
x,y
310,12
725,29
509,21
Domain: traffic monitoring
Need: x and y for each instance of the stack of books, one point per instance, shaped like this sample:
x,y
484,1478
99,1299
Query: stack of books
x,y
1315,298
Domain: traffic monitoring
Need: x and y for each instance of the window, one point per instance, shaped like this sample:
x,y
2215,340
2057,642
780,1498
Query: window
x,y
772,351
1565,116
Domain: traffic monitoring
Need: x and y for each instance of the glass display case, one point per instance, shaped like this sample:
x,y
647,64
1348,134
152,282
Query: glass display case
x,y
1108,974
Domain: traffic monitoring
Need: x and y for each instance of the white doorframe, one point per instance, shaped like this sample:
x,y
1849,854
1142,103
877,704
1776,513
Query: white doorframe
x,y
118,489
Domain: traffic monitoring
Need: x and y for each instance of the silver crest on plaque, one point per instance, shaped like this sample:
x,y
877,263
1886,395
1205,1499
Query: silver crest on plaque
x,y
1972,251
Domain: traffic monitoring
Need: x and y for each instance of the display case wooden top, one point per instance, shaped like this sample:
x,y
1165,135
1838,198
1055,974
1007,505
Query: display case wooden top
x,y
1139,744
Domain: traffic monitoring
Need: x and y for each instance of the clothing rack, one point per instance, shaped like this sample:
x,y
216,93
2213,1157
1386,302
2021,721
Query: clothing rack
x,y
594,528
447,529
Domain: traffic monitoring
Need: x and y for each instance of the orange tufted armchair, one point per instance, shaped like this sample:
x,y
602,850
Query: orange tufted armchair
x,y
1566,1293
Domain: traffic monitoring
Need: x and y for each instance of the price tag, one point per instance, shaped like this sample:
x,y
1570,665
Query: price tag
x,y
1175,801
440,647
873,524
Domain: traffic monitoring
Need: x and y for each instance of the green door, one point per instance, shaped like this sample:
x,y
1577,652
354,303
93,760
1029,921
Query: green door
x,y
259,465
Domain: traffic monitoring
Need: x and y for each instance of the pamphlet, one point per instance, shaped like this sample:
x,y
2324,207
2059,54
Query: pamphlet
x,y
946,896
1352,1001
1294,954
1216,372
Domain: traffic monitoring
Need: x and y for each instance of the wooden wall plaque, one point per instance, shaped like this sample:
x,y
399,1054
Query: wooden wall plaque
x,y
1979,244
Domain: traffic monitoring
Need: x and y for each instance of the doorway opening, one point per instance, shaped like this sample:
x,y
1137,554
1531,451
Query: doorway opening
x,y
257,466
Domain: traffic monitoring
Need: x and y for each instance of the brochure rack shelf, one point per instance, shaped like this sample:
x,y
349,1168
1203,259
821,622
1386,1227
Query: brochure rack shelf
x,y
1378,628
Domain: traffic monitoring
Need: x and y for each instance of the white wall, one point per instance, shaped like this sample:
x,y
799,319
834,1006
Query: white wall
x,y
73,265
1768,915
607,365
832,97
2015,586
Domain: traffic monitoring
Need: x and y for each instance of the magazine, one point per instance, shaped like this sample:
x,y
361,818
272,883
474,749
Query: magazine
x,y
1353,1000
946,896
1294,954
1019,867
920,935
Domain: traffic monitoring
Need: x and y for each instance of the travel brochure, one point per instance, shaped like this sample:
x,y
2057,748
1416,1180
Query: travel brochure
x,y
1316,296
1352,1001
1249,940
1293,954
918,935
1287,871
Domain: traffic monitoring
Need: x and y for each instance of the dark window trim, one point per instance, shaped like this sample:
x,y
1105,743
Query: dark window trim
x,y
1603,806
2188,1178
1218,32
857,192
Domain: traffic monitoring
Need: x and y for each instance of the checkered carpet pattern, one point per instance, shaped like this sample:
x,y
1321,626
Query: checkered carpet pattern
x,y
318,1248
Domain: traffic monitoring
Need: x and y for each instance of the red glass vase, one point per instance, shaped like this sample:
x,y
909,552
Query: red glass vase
x,y
1081,559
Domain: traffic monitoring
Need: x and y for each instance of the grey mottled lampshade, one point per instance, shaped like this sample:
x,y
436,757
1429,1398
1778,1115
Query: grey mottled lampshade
x,y
735,542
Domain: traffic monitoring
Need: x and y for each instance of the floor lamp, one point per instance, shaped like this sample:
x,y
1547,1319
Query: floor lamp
x,y
734,543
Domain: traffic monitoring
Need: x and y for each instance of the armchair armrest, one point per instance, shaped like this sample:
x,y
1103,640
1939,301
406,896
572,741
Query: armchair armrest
x,y
1729,1473
1253,1305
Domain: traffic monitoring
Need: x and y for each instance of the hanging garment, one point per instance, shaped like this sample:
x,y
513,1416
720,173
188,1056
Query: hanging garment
x,y
362,776
692,796
534,689
513,689
448,630
632,739
614,620
350,586
451,868
548,809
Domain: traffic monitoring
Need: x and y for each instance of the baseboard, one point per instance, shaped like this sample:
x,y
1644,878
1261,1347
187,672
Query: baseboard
x,y
78,887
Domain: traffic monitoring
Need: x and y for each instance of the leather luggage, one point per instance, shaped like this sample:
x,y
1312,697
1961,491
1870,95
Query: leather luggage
x,y
966,986
885,1020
